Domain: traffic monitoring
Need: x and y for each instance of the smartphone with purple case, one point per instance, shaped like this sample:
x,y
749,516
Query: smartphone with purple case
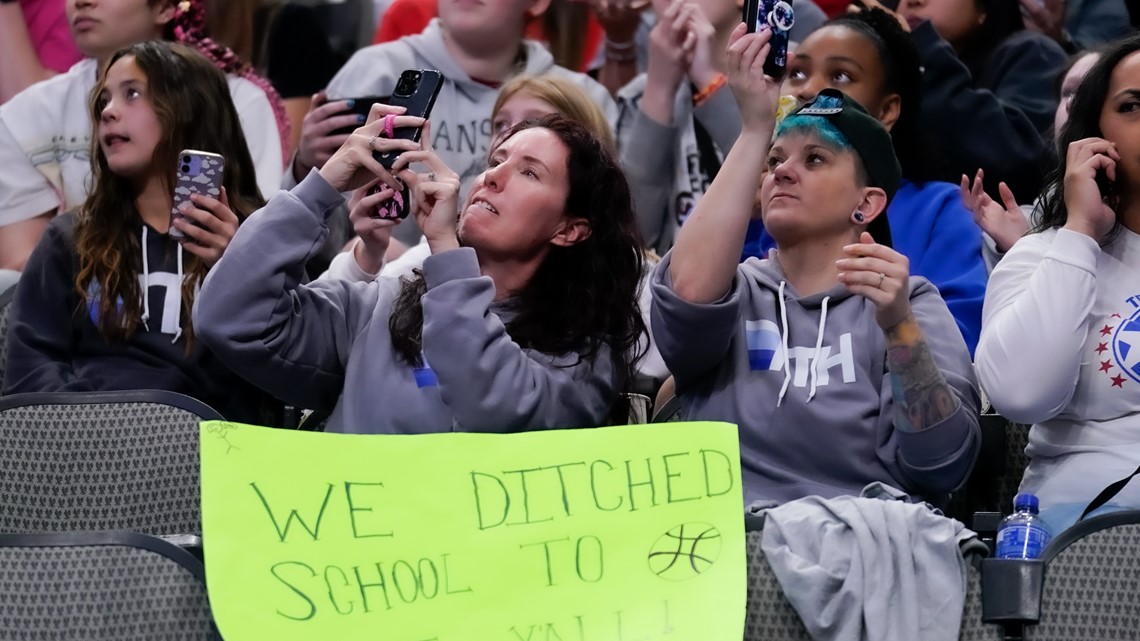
x,y
199,172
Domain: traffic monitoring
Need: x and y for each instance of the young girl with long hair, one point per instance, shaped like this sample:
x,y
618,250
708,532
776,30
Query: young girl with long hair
x,y
105,302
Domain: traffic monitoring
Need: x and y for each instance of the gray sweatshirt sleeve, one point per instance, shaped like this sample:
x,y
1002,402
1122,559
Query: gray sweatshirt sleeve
x,y
290,339
647,156
720,116
692,338
488,381
940,457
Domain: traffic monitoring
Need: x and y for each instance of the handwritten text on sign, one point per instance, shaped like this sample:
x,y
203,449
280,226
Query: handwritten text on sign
x,y
618,534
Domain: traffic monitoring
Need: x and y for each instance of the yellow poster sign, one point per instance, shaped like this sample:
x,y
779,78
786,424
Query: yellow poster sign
x,y
631,533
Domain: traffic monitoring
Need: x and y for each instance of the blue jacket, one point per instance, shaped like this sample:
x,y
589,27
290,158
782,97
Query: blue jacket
x,y
932,227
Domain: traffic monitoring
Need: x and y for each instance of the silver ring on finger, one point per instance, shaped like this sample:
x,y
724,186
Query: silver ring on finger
x,y
881,277
371,142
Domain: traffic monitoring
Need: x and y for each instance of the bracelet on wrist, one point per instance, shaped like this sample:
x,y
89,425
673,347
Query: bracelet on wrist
x,y
708,90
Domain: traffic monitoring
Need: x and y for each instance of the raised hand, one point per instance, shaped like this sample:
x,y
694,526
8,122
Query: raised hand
x,y
757,94
1089,209
353,165
879,274
1003,221
215,228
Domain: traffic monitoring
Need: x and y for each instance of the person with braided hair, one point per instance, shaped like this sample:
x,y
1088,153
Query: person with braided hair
x,y
871,58
45,134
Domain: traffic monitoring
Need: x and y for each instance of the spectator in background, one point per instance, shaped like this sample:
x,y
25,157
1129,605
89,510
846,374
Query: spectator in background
x,y
568,28
1077,24
524,317
987,93
871,58
45,132
105,302
1006,222
37,44
284,41
829,340
1059,326
477,47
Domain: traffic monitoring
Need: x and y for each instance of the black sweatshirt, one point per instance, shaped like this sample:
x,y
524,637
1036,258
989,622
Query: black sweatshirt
x,y
54,344
998,121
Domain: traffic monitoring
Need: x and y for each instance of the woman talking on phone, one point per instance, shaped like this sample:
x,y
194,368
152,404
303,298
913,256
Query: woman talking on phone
x,y
522,318
104,303
1062,308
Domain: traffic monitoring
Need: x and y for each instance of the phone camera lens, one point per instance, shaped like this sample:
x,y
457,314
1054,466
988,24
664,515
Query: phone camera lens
x,y
186,159
185,168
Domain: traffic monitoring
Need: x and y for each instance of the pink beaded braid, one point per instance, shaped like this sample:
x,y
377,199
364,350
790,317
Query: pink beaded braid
x,y
190,29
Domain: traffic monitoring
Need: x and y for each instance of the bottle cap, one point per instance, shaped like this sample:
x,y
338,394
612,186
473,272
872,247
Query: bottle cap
x,y
1025,503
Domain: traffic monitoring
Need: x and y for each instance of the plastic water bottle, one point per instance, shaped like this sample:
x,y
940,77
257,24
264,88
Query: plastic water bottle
x,y
1022,535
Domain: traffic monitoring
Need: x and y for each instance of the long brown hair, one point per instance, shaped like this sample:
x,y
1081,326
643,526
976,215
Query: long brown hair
x,y
583,296
192,102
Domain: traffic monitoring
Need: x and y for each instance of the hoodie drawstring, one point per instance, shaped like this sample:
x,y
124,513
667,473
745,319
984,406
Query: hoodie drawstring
x,y
146,281
784,344
818,347
178,334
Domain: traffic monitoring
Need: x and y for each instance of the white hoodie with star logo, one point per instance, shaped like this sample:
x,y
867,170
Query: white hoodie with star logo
x,y
1060,349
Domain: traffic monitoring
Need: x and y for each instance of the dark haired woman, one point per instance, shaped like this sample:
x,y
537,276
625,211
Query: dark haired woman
x,y
105,302
523,317
869,57
1059,333
987,92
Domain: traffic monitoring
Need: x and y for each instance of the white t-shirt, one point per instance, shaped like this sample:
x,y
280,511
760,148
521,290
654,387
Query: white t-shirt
x,y
45,142
1060,349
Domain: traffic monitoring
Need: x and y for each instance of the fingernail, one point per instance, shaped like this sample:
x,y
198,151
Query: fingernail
x,y
360,119
351,103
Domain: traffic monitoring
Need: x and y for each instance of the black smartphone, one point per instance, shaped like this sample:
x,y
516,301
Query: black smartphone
x,y
360,107
1107,187
778,15
416,90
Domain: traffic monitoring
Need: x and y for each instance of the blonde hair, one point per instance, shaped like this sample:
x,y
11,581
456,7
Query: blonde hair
x,y
566,97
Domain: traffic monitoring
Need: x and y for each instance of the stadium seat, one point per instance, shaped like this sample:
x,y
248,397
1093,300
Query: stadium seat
x,y
86,461
5,309
101,586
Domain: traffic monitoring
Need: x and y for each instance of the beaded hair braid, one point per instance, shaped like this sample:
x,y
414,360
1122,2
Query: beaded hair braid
x,y
189,28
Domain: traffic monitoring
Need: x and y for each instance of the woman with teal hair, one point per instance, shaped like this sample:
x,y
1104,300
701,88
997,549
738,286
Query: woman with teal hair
x,y
840,367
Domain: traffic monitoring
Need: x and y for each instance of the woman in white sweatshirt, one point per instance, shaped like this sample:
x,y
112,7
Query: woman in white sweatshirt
x,y
1062,310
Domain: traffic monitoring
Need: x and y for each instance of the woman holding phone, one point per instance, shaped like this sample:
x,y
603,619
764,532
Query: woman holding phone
x,y
524,316
828,340
1062,306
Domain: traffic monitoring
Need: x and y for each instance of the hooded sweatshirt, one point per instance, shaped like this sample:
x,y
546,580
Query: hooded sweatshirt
x,y
932,227
461,129
825,425
55,344
326,345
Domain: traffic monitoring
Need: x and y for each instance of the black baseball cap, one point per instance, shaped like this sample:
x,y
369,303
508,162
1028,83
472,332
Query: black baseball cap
x,y
870,140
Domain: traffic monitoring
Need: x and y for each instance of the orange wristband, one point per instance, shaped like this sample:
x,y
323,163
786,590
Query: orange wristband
x,y
714,85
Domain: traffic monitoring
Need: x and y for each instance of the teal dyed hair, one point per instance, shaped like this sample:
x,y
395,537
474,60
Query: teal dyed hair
x,y
825,131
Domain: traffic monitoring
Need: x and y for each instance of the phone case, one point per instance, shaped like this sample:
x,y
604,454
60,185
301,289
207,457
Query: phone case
x,y
361,107
199,172
416,90
778,15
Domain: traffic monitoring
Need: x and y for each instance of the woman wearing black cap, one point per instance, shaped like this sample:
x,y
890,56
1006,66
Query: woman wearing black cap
x,y
829,341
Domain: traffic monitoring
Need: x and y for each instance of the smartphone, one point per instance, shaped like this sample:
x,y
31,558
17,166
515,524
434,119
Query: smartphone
x,y
360,107
416,90
778,15
199,172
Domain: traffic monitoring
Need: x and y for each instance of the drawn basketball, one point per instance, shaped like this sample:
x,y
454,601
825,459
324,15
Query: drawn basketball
x,y
685,551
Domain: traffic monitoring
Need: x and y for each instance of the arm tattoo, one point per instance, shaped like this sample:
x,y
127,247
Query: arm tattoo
x,y
922,395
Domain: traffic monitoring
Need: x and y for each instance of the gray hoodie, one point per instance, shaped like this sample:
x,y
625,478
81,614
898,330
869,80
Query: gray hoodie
x,y
461,119
326,345
805,430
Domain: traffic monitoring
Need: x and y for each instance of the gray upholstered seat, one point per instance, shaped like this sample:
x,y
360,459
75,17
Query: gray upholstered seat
x,y
101,586
771,616
1092,581
100,461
